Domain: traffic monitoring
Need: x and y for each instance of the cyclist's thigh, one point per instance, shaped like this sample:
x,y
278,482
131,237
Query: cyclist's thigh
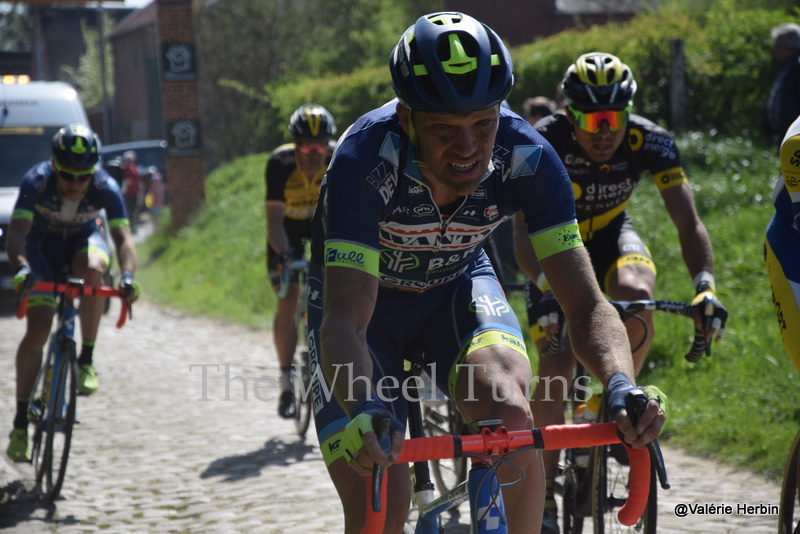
x,y
622,262
476,315
782,256
386,337
47,258
90,253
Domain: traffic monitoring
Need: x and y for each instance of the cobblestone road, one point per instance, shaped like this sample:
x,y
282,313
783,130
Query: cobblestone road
x,y
163,447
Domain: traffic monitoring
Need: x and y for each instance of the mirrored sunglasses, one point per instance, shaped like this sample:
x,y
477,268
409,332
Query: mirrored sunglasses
x,y
308,148
591,121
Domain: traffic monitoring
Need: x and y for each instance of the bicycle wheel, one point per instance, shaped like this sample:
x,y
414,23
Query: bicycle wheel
x,y
57,425
37,413
302,395
438,420
611,473
789,515
574,497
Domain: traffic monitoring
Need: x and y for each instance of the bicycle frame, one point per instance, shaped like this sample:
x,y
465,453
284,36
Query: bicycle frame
x,y
53,411
501,442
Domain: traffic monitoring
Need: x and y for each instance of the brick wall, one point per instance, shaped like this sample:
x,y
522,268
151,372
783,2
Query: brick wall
x,y
181,102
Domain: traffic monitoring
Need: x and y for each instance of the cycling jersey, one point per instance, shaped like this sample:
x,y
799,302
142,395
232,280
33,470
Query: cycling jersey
x,y
782,245
287,185
602,190
53,218
438,295
60,228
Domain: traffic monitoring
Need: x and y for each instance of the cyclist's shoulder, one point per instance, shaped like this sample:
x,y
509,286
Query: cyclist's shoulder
x,y
554,126
790,152
375,138
648,126
39,177
284,154
102,181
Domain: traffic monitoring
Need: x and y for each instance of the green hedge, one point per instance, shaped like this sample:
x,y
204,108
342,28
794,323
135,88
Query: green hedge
x,y
729,70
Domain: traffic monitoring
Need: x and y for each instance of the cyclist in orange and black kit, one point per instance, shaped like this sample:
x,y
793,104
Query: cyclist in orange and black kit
x,y
605,150
293,177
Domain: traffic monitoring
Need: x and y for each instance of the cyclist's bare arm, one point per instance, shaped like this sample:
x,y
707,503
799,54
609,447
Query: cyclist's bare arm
x,y
18,230
599,338
698,254
523,249
276,235
126,249
350,297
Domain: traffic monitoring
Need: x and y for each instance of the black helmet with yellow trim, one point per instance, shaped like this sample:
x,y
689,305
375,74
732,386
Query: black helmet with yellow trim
x,y
450,63
598,81
312,120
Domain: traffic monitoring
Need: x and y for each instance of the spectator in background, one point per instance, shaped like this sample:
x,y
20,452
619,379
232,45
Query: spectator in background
x,y
130,187
783,105
537,107
156,195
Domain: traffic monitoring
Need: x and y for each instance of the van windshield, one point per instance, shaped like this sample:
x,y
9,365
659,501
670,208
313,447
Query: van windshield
x,y
28,146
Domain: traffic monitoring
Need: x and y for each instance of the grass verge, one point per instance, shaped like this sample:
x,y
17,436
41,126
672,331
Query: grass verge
x,y
738,405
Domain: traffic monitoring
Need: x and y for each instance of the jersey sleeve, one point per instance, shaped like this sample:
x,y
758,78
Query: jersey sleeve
x,y
276,175
662,157
26,199
544,193
112,201
356,199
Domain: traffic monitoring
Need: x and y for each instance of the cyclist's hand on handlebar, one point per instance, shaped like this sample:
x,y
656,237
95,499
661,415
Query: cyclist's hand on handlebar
x,y
128,288
361,445
652,419
549,314
709,313
23,278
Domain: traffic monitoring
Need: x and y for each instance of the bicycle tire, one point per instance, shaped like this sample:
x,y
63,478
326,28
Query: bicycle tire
x,y
789,514
302,395
37,413
58,424
574,495
439,420
610,476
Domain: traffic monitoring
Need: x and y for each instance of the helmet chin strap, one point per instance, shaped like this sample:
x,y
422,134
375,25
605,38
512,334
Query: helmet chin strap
x,y
412,131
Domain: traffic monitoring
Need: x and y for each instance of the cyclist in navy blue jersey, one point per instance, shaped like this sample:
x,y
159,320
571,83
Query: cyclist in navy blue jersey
x,y
398,270
55,224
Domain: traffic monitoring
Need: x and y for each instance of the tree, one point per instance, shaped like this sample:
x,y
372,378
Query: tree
x,y
16,27
88,77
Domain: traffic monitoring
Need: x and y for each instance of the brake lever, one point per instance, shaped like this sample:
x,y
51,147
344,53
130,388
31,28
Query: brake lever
x,y
635,403
381,423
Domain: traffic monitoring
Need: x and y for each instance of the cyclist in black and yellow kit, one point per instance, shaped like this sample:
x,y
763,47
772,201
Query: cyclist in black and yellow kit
x,y
605,150
293,175
782,245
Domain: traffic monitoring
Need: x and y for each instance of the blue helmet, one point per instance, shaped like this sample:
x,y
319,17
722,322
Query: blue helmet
x,y
450,63
76,149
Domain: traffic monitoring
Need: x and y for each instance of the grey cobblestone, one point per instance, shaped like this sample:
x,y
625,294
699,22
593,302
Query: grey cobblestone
x,y
161,447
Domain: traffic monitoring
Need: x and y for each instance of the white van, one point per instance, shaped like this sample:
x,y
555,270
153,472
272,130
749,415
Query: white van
x,y
30,115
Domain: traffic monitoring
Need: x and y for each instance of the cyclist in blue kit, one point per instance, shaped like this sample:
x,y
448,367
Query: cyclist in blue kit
x,y
398,269
54,224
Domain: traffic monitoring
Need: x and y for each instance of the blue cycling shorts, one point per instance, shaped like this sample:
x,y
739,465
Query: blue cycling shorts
x,y
48,257
437,328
